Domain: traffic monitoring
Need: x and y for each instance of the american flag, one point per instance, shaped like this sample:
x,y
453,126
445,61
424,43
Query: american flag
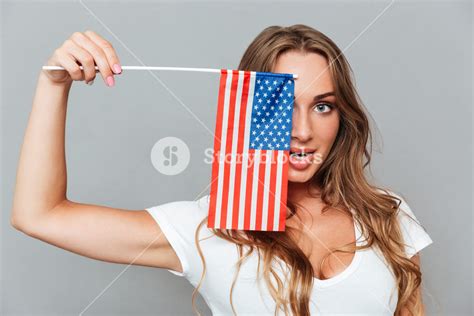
x,y
251,151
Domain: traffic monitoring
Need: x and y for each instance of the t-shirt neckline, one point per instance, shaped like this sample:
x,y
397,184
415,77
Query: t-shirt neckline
x,y
352,266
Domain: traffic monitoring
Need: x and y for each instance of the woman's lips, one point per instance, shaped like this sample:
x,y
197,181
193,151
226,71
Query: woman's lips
x,y
301,163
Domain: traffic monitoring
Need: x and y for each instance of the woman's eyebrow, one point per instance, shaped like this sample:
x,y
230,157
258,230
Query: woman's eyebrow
x,y
322,96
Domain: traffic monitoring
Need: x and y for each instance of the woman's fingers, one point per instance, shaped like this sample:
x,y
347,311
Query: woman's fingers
x,y
68,62
98,56
108,49
83,57
89,50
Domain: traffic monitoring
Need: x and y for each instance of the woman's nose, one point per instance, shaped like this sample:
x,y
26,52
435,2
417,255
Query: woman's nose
x,y
301,129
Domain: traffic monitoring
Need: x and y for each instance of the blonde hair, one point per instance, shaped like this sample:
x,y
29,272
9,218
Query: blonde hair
x,y
341,180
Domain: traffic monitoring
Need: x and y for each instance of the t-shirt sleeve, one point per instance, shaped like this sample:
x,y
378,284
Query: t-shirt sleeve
x,y
178,220
414,235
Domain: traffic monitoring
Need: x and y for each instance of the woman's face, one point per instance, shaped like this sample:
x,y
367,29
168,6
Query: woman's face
x,y
315,117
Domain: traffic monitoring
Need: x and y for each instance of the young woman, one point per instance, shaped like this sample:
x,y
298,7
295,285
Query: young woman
x,y
349,247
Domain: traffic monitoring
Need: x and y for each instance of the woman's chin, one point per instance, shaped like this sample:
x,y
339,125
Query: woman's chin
x,y
300,176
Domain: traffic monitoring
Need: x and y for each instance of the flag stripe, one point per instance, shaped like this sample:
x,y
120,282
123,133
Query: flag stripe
x,y
232,155
225,119
217,145
239,193
261,188
249,189
266,189
276,221
250,84
255,186
271,194
284,180
229,128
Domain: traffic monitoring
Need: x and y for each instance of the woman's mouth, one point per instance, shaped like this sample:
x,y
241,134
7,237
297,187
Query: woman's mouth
x,y
301,159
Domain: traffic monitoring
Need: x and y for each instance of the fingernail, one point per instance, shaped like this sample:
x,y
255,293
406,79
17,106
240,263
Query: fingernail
x,y
117,68
110,81
90,82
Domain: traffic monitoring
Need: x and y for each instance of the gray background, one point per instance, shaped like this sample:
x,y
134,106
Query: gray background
x,y
413,71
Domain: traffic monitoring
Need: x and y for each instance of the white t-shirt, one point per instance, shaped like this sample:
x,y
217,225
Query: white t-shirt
x,y
365,287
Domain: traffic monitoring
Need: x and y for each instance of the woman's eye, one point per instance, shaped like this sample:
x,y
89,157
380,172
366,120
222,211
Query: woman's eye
x,y
320,107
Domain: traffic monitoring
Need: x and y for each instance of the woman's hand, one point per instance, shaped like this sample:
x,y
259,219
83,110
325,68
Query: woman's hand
x,y
86,49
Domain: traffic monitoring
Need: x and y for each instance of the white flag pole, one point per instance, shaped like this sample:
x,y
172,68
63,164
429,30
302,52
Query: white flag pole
x,y
151,68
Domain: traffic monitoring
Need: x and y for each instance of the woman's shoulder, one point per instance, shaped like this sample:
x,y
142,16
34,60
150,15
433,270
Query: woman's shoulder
x,y
179,220
404,209
181,217
414,233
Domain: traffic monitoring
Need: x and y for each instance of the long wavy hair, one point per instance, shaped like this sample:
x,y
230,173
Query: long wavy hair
x,y
341,182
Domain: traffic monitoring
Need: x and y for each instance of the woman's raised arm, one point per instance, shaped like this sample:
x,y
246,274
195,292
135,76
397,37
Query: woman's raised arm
x,y
41,208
